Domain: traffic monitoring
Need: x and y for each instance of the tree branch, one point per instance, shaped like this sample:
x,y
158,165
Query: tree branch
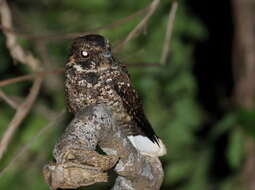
x,y
78,164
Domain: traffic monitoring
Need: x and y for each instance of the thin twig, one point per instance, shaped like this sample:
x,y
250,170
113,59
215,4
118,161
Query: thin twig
x,y
142,64
140,26
24,148
8,100
169,31
30,76
20,114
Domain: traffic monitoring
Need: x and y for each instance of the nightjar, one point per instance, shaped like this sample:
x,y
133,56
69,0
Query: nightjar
x,y
95,76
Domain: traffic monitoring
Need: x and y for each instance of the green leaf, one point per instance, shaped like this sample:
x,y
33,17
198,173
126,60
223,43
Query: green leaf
x,y
235,153
246,120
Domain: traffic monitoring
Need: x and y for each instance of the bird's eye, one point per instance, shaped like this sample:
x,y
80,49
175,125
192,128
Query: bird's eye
x,y
84,54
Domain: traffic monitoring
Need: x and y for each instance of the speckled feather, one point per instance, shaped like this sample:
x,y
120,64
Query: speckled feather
x,y
98,78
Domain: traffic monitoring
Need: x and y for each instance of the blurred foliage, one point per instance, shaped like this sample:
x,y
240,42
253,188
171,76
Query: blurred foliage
x,y
169,92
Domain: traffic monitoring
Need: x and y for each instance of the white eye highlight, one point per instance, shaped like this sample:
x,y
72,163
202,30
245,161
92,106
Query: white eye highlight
x,y
84,54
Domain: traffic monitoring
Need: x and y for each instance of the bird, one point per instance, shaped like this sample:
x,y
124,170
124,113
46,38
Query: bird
x,y
93,75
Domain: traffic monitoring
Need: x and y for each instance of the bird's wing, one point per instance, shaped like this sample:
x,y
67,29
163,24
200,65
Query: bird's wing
x,y
133,106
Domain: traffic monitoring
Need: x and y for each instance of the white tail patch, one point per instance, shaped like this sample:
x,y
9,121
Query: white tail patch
x,y
145,146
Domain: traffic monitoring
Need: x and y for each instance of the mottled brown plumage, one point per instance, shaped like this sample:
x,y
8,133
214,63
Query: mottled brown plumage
x,y
94,76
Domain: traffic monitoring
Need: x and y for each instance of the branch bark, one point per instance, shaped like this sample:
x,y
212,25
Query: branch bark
x,y
244,56
78,164
244,73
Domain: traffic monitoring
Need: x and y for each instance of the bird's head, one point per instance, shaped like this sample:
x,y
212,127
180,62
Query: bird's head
x,y
91,51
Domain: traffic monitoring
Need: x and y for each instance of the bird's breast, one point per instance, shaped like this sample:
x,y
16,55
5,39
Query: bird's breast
x,y
80,90
86,88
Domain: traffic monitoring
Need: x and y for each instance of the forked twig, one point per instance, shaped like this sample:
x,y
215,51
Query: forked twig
x,y
152,7
20,114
